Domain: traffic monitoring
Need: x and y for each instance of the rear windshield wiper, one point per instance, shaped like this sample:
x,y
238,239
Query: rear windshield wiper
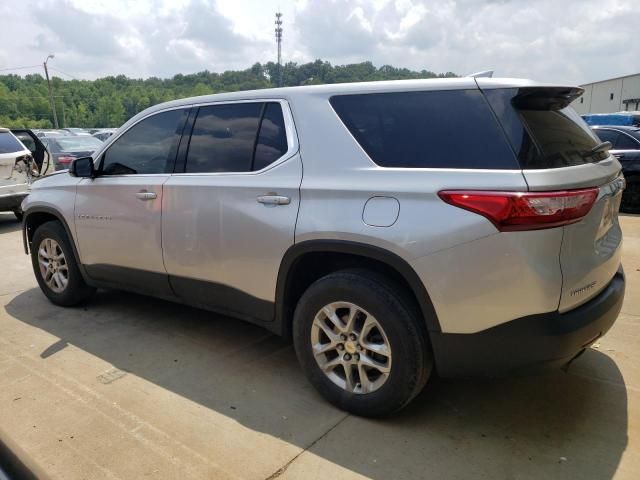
x,y
601,147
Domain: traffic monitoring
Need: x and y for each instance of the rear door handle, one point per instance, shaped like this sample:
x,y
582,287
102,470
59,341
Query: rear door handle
x,y
144,195
618,155
274,200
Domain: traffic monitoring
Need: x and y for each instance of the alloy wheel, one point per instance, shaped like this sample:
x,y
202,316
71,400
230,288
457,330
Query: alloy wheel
x,y
53,265
351,347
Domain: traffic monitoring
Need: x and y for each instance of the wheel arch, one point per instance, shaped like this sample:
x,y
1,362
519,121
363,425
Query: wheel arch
x,y
37,216
327,256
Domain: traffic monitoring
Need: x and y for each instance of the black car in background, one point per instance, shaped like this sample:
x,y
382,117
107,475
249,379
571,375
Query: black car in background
x,y
66,149
626,147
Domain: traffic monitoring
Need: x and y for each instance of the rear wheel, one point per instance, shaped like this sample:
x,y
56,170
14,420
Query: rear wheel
x,y
55,266
360,343
631,195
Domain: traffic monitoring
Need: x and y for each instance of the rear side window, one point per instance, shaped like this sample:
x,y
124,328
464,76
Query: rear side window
x,y
435,129
608,136
543,131
148,147
626,143
9,143
272,139
238,137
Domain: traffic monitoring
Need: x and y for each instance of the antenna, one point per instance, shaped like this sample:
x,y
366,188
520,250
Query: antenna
x,y
483,74
279,43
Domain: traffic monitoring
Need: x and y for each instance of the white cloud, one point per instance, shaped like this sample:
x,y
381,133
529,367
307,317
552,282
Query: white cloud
x,y
572,41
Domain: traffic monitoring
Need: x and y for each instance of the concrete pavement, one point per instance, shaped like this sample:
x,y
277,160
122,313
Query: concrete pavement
x,y
133,387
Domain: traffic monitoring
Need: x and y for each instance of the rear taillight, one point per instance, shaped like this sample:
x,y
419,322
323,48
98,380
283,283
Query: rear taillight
x,y
66,159
514,211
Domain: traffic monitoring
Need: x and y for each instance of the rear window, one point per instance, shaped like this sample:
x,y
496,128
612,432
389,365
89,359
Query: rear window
x,y
544,132
435,129
9,143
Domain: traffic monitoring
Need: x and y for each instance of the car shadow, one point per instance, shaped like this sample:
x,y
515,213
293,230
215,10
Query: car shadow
x,y
571,425
9,223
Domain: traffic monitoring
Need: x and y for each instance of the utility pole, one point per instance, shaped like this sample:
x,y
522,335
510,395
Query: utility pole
x,y
64,118
279,42
53,105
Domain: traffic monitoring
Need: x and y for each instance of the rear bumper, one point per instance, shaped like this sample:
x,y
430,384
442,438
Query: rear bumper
x,y
530,343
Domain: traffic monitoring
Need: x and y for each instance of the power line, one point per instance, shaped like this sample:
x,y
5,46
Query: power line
x,y
19,68
64,73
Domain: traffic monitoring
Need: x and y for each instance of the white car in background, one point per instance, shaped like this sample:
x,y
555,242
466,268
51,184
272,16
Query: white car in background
x,y
16,172
23,158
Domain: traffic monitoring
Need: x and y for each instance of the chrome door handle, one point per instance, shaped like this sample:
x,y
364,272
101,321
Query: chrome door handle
x,y
618,155
274,200
146,195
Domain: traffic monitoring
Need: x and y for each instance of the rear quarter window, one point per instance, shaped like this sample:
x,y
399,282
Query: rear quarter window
x,y
9,143
434,129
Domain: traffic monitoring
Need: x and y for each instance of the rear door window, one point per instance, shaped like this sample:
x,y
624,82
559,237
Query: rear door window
x,y
272,139
433,129
543,131
236,137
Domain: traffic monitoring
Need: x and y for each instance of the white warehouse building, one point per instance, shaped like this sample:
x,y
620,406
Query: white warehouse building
x,y
609,96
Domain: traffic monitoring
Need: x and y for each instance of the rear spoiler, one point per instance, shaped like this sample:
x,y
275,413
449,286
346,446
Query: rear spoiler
x,y
545,98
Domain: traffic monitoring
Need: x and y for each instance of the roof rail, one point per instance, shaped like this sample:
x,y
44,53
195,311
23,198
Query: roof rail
x,y
483,74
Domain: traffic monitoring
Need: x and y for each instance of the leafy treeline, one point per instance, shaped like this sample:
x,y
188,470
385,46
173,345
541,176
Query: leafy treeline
x,y
110,101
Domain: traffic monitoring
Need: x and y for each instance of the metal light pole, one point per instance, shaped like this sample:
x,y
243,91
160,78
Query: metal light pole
x,y
51,101
279,42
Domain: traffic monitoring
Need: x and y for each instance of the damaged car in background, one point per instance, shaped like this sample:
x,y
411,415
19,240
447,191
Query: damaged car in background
x,y
20,164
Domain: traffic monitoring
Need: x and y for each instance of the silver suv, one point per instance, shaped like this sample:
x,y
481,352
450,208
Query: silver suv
x,y
464,226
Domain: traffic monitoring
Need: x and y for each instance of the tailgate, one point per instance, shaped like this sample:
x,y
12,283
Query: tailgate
x,y
557,151
591,249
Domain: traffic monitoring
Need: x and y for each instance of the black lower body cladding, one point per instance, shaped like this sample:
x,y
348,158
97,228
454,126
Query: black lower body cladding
x,y
531,343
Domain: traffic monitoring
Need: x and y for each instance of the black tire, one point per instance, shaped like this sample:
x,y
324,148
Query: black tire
x,y
412,361
19,215
631,195
76,290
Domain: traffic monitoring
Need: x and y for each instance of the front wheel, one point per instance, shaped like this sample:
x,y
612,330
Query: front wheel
x,y
55,266
360,343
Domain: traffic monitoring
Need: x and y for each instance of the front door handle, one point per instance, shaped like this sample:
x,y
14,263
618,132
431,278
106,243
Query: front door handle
x,y
274,200
618,155
144,195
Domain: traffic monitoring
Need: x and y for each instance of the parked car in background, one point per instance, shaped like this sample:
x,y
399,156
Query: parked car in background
x,y
467,226
66,149
626,148
104,133
629,119
51,133
77,131
16,172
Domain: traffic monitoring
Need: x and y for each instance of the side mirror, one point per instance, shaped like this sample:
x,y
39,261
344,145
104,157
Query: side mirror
x,y
82,168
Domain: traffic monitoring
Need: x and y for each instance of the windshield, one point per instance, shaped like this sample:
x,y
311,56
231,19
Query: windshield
x,y
77,144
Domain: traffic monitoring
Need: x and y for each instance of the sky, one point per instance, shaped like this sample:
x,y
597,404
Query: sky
x,y
564,41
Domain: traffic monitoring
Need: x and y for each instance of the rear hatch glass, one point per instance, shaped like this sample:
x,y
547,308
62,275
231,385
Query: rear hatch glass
x,y
558,151
543,131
